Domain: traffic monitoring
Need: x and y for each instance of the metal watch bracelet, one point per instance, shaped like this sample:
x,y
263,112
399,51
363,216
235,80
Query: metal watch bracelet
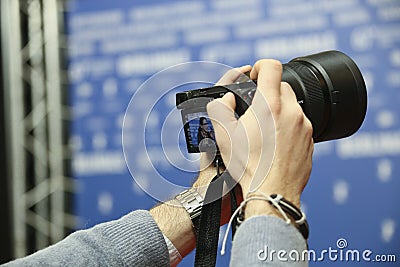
x,y
192,201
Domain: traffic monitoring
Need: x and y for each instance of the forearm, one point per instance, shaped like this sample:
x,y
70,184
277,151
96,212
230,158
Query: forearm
x,y
135,239
174,221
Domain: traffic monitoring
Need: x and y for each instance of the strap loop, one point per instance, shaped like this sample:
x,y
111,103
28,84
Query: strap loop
x,y
208,232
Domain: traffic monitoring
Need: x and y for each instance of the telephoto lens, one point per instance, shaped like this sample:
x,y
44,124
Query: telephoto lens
x,y
331,91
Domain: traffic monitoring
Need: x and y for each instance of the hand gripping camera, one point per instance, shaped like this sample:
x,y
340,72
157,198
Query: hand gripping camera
x,y
329,88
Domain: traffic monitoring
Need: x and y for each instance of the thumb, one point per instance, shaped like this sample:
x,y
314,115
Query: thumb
x,y
222,111
222,115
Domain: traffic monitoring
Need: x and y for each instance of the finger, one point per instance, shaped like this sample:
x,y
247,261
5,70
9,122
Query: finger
x,y
287,94
222,116
268,73
233,74
289,99
222,112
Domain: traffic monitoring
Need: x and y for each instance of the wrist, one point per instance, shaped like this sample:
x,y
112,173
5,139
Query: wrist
x,y
260,207
206,175
193,202
179,230
259,203
276,184
287,191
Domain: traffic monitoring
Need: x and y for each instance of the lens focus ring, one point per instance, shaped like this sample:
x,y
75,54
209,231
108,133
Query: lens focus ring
x,y
314,101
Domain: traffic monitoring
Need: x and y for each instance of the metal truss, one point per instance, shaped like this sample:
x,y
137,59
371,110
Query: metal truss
x,y
34,87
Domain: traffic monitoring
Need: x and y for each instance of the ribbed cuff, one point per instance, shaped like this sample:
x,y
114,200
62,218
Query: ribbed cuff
x,y
259,235
174,255
137,238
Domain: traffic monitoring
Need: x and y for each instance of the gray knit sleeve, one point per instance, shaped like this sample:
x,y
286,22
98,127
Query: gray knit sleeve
x,y
267,241
133,240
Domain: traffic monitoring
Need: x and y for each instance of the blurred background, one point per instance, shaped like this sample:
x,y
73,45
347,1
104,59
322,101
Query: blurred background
x,y
69,69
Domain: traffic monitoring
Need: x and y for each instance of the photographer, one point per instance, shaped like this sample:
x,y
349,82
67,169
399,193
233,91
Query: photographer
x,y
165,234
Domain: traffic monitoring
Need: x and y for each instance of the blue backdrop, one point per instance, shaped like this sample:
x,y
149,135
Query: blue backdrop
x,y
114,46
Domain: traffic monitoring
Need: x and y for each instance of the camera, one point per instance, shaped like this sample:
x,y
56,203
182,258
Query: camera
x,y
329,87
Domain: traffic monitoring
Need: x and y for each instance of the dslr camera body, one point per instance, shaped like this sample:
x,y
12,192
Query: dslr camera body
x,y
329,88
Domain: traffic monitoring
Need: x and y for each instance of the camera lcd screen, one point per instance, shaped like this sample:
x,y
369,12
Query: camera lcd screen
x,y
199,133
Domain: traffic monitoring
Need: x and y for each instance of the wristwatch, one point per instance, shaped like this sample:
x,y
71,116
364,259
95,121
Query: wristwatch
x,y
192,202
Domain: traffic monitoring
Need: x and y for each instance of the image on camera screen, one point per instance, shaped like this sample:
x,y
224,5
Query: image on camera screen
x,y
199,132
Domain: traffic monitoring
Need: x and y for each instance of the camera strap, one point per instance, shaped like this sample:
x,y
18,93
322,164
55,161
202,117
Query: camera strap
x,y
209,223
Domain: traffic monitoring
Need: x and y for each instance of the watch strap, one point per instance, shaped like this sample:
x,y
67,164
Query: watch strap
x,y
192,201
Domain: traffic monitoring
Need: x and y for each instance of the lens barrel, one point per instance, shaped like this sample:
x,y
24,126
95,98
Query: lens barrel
x,y
332,92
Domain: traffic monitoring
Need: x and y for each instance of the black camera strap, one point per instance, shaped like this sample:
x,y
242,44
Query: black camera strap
x,y
209,223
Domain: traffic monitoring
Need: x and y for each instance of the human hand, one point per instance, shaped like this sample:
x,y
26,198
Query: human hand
x,y
207,168
273,129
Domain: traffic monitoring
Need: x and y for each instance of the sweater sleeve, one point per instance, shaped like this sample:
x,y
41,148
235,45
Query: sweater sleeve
x,y
133,240
267,241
